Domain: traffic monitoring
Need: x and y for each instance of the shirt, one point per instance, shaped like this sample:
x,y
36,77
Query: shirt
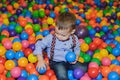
x,y
61,47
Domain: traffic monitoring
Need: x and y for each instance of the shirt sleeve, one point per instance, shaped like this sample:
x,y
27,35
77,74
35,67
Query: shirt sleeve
x,y
42,44
77,47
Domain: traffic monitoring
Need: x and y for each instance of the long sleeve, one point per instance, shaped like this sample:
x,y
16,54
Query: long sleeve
x,y
77,47
42,44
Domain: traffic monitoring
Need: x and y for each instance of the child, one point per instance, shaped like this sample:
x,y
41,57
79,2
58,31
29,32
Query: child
x,y
58,44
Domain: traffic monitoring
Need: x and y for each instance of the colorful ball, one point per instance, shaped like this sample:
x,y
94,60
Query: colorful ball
x,y
17,46
9,64
78,73
93,72
113,76
22,62
15,72
70,57
84,47
32,58
2,50
106,61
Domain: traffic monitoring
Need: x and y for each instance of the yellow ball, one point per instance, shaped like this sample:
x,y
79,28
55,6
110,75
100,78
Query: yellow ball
x,y
39,37
103,52
97,34
22,62
50,20
80,59
6,21
2,51
32,58
112,57
28,26
9,64
84,47
17,46
117,38
118,14
16,5
98,56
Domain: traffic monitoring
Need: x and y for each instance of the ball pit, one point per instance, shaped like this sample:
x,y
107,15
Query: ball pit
x,y
23,22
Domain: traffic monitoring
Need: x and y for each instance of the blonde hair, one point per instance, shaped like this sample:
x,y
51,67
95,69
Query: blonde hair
x,y
66,20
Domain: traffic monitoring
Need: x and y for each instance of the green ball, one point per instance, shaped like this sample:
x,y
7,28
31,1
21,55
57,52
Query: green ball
x,y
82,54
102,33
8,74
62,10
41,14
87,21
89,27
87,57
2,37
0,44
35,14
97,51
45,25
109,49
88,40
18,29
110,26
36,27
96,60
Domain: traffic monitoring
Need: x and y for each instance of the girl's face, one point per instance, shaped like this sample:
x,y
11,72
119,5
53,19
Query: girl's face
x,y
63,34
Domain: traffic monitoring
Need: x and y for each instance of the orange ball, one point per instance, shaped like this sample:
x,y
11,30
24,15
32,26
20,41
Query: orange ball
x,y
29,31
116,69
44,77
104,78
118,58
105,71
5,40
29,66
9,7
22,62
1,68
31,39
23,23
5,32
2,77
92,46
53,77
49,73
34,71
97,41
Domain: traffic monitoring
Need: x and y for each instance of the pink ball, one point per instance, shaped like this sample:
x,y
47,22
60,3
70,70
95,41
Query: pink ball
x,y
85,78
81,41
15,72
106,61
7,44
25,43
93,64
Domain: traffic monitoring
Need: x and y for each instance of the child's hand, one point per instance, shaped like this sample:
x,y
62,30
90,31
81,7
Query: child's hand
x,y
74,61
41,64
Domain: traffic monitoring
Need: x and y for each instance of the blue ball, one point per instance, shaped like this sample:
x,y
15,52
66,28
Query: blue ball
x,y
10,54
99,77
24,36
16,40
113,76
78,22
70,57
52,14
32,77
45,32
19,54
24,73
98,19
92,32
70,74
105,28
115,61
116,51
41,70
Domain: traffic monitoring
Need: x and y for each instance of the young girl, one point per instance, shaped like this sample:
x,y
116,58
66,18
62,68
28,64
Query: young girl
x,y
58,44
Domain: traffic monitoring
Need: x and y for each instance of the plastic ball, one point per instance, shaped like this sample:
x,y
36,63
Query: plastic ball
x,y
49,73
41,14
45,32
17,46
25,43
16,40
1,68
9,64
10,54
5,32
15,72
24,73
70,57
93,64
84,47
18,29
92,46
22,62
115,61
41,70
2,50
106,61
29,31
115,51
7,44
70,74
2,60
85,78
12,33
103,52
32,58
78,22
81,32
93,72
52,14
29,66
44,77
78,73
32,77
27,51
53,77
19,54
21,78
50,20
36,27
87,57
99,77
105,71
113,76
88,40
2,77
24,36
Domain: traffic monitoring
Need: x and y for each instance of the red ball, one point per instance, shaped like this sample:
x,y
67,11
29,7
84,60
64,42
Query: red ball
x,y
2,60
27,51
92,46
49,73
97,41
93,72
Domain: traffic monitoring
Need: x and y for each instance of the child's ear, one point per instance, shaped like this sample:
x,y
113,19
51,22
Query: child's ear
x,y
73,31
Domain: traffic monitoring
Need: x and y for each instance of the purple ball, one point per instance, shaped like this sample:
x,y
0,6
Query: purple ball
x,y
104,37
18,11
90,53
21,78
11,19
3,9
12,33
78,73
32,46
35,21
97,29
